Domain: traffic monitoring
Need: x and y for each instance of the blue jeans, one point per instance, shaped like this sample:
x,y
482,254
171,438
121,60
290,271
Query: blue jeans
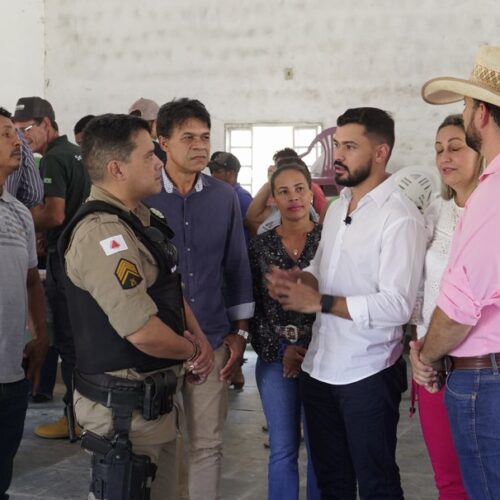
x,y
472,399
282,407
13,405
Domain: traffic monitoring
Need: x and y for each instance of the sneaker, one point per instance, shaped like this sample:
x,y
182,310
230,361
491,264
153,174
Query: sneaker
x,y
56,430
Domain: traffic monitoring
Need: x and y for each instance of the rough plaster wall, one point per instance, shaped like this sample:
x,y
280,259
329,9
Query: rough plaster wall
x,y
22,50
102,55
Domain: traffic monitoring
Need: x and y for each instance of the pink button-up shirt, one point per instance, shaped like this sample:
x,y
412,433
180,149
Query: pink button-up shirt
x,y
470,288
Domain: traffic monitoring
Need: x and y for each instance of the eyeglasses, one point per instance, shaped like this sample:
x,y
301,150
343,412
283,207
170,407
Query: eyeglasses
x,y
28,127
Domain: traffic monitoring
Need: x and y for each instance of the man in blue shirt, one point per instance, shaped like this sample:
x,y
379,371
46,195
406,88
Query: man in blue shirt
x,y
206,218
226,167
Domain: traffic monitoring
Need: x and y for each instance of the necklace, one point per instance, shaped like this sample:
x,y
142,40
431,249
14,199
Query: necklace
x,y
294,245
292,250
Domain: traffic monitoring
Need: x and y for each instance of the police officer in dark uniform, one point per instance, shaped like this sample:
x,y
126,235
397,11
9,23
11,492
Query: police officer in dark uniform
x,y
132,327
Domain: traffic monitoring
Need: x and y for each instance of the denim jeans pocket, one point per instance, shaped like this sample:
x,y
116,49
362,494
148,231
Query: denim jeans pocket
x,y
461,385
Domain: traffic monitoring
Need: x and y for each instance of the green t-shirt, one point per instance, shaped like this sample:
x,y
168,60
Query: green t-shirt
x,y
64,176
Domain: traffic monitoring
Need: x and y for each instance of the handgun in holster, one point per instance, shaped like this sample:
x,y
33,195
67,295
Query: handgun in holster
x,y
117,472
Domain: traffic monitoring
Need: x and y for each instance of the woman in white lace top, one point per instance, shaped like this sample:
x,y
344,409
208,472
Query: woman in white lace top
x,y
459,167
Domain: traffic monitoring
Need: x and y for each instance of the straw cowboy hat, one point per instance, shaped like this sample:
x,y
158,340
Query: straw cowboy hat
x,y
483,84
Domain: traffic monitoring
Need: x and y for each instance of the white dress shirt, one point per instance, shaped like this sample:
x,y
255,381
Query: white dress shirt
x,y
375,262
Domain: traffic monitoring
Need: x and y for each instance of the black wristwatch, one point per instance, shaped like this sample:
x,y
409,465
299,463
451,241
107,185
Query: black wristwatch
x,y
326,304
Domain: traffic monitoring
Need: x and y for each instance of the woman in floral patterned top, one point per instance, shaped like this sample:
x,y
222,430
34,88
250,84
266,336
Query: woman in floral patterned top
x,y
280,337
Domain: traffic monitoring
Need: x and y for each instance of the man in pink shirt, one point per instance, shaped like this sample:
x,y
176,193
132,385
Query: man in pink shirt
x,y
465,327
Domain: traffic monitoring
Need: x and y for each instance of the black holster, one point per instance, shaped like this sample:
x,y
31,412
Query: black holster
x,y
117,472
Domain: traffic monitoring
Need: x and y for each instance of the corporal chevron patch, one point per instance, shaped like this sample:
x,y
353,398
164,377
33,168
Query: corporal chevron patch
x,y
127,274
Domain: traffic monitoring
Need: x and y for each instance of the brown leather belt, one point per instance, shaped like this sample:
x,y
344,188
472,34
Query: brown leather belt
x,y
475,362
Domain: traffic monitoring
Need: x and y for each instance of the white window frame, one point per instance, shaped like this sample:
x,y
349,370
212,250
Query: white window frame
x,y
229,127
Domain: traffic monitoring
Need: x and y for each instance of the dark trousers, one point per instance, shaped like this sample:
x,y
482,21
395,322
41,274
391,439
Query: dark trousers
x,y
63,335
13,405
352,434
48,372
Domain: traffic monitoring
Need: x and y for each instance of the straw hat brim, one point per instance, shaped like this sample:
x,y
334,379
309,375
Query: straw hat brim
x,y
445,90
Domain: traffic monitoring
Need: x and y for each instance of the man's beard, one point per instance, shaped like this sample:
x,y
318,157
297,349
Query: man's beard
x,y
472,137
353,180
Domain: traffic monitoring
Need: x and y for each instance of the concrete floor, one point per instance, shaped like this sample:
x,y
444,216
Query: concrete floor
x,y
58,470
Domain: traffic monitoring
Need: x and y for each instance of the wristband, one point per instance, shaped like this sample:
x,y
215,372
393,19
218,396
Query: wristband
x,y
326,304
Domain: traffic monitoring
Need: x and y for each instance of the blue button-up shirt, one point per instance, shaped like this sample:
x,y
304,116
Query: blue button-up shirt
x,y
213,257
245,198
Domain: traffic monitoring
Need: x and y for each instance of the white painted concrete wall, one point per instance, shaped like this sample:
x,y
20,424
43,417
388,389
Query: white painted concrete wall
x,y
22,50
103,54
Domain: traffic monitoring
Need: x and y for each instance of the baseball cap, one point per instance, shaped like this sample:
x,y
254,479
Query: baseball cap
x,y
147,109
224,160
28,108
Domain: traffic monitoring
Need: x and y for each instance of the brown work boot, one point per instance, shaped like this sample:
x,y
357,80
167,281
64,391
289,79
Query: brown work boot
x,y
56,430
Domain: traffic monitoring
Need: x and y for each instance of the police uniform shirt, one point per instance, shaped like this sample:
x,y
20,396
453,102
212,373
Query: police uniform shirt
x,y
105,258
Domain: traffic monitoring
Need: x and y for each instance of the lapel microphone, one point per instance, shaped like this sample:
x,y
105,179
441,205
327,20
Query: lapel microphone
x,y
347,220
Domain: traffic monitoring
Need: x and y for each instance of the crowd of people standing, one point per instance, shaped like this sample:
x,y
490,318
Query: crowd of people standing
x,y
158,275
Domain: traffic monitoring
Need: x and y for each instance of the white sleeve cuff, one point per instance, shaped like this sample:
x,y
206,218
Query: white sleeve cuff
x,y
358,310
241,311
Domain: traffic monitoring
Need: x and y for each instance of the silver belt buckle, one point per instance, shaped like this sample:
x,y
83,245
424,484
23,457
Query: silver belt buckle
x,y
292,333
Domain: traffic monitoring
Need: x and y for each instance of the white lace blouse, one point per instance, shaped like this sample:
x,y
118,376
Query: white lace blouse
x,y
441,218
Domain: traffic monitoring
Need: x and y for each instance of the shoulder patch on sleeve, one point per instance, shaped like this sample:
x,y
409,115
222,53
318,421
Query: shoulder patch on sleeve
x,y
127,274
113,245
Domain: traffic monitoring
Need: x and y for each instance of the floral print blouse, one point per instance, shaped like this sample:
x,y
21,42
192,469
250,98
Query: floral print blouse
x,y
266,250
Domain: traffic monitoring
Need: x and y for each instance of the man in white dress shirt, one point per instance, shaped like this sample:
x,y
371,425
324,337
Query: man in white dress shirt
x,y
362,283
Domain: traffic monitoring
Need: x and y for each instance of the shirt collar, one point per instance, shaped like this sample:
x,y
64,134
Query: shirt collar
x,y
169,185
142,211
492,168
379,194
6,196
62,139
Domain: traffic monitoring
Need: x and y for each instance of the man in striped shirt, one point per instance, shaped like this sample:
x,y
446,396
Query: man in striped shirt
x,y
25,184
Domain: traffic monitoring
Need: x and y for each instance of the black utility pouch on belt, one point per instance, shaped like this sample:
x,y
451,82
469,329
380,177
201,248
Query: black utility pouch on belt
x,y
159,390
